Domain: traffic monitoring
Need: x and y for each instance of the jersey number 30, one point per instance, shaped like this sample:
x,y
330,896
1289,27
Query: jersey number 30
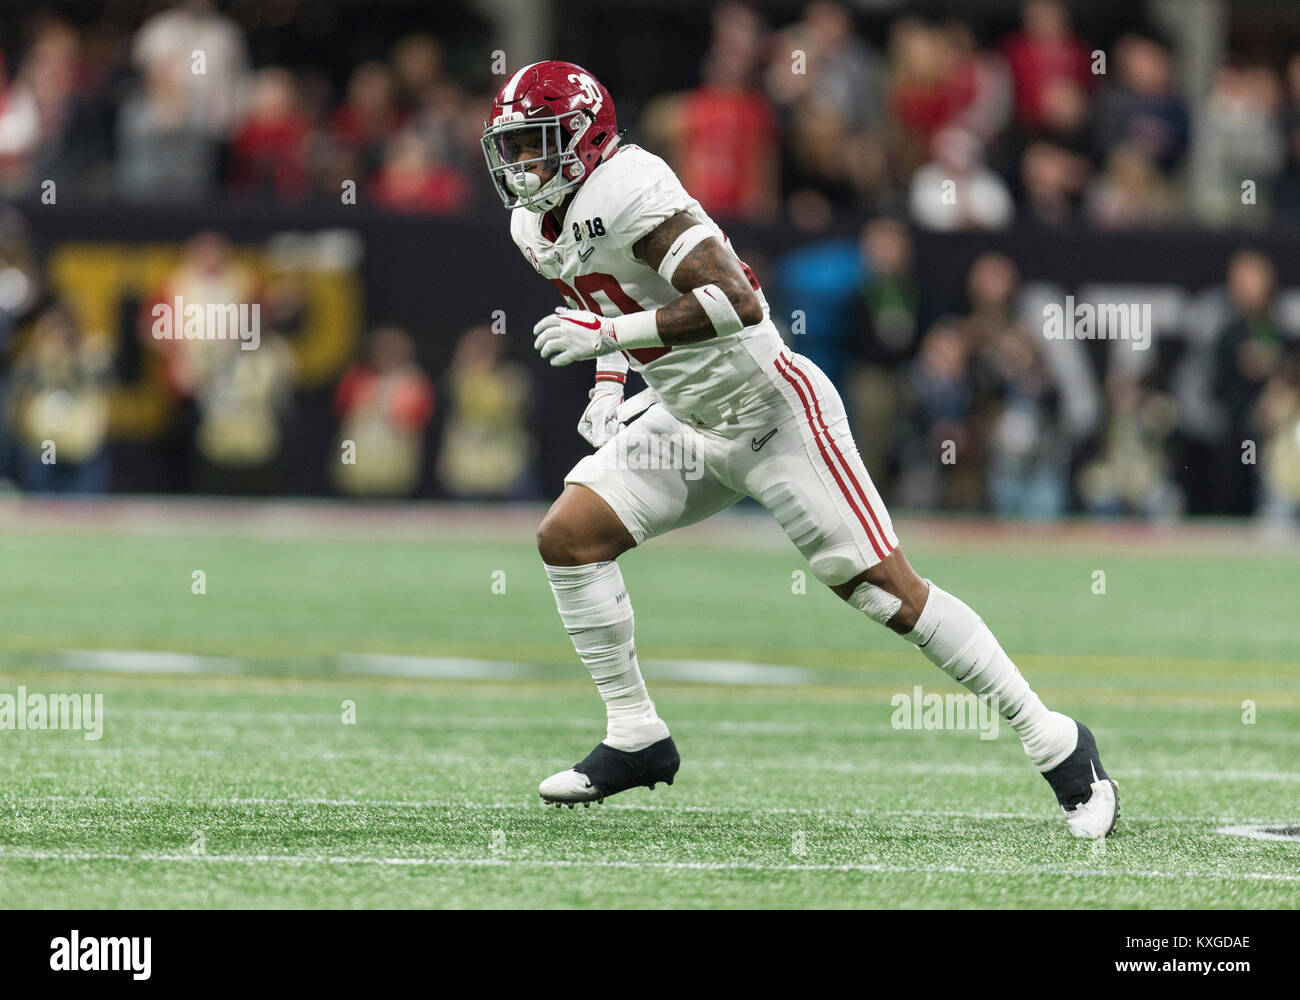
x,y
584,298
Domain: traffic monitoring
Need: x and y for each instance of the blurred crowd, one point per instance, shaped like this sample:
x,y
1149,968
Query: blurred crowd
x,y
1040,126
967,405
176,112
230,420
959,406
795,122
956,405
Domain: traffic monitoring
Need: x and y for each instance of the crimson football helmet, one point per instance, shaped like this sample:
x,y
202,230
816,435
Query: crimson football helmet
x,y
573,114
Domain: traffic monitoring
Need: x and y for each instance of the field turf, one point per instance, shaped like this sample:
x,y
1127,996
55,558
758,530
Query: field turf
x,y
227,775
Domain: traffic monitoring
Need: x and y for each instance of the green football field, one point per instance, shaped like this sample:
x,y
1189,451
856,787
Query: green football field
x,y
353,716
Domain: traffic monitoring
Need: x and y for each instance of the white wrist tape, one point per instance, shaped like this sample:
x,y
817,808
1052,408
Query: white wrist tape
x,y
640,329
722,314
681,249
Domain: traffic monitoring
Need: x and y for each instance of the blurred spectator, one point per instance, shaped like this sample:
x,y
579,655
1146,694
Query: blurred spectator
x,y
237,399
203,56
368,118
840,73
1053,181
1238,138
207,274
412,181
59,407
1044,53
1143,111
816,284
486,446
1015,407
270,149
956,191
929,88
889,296
384,405
886,323
434,107
417,68
728,139
243,402
49,74
938,466
989,109
1131,473
1028,458
991,286
164,151
1130,194
829,87
1053,155
1248,354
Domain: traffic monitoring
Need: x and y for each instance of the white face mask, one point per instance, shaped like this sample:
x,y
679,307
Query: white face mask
x,y
520,187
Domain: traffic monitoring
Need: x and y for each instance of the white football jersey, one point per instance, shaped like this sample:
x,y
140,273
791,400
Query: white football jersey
x,y
592,265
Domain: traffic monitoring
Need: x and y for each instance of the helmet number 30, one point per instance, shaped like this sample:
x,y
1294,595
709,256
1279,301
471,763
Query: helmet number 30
x,y
589,89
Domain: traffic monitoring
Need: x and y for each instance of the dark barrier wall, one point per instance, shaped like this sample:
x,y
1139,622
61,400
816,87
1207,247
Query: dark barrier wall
x,y
437,277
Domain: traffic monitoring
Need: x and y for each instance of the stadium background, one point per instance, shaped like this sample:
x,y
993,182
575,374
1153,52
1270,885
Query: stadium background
x,y
317,699
124,185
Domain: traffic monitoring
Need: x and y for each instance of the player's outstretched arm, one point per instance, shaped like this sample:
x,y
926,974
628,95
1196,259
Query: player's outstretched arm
x,y
705,271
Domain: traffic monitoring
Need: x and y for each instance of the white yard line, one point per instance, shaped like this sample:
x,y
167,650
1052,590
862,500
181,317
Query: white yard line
x,y
439,667
144,661
497,862
1261,831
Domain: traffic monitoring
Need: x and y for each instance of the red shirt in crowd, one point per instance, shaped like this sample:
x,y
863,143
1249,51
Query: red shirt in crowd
x,y
272,152
409,405
1036,63
925,110
729,138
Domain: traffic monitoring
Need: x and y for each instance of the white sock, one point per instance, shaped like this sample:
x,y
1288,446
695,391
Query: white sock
x,y
957,641
595,608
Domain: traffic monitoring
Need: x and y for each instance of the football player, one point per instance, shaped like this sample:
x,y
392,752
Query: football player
x,y
651,283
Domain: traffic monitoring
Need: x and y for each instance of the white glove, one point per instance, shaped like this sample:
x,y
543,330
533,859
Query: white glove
x,y
570,335
599,422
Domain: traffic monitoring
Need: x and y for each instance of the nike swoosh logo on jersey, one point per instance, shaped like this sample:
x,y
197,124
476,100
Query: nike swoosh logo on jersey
x,y
583,256
757,443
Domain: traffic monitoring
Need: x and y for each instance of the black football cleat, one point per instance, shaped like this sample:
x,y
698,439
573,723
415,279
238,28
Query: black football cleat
x,y
1089,798
606,771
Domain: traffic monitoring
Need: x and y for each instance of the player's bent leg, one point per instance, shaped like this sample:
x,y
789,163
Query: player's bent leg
x,y
579,539
608,507
958,642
